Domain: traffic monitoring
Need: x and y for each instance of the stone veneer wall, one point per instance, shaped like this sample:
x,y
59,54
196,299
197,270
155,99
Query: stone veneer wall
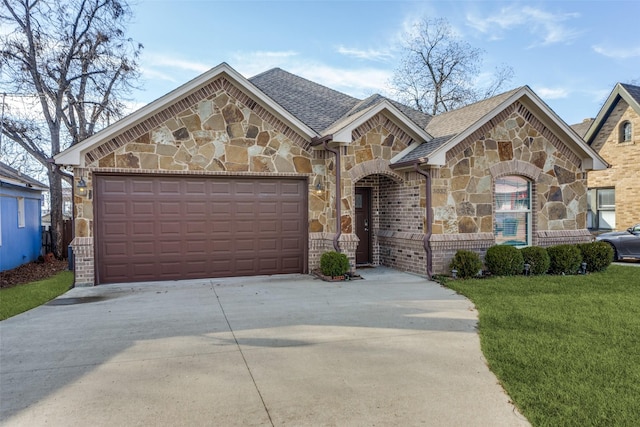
x,y
397,199
624,173
514,143
217,130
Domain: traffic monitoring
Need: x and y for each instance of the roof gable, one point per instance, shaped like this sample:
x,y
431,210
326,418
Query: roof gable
x,y
630,93
451,129
171,104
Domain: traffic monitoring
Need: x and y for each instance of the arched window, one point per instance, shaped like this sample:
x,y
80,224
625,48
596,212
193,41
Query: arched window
x,y
512,211
625,132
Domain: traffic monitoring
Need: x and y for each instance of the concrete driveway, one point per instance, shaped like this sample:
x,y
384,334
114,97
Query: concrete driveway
x,y
393,349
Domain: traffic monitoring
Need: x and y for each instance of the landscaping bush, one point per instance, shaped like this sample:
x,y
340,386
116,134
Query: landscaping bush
x,y
504,260
334,264
537,258
564,259
597,255
467,263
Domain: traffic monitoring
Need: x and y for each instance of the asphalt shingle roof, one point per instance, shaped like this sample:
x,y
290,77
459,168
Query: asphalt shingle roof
x,y
7,171
320,107
634,91
582,128
315,105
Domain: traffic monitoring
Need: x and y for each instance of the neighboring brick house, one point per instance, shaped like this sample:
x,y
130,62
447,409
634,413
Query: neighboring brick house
x,y
232,176
614,193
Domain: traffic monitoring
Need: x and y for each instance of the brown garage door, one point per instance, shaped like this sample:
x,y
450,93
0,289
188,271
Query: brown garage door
x,y
168,228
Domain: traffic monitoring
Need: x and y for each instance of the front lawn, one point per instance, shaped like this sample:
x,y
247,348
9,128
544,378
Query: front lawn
x,y
18,299
565,348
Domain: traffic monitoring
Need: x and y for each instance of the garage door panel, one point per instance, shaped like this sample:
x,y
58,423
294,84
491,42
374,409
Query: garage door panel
x,y
114,186
140,208
169,186
221,208
244,226
170,248
142,229
172,227
290,208
141,187
196,247
291,244
169,208
291,264
115,229
143,248
115,208
245,188
196,228
195,188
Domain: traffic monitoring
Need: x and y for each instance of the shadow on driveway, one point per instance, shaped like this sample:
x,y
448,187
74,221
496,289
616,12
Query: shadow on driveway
x,y
272,350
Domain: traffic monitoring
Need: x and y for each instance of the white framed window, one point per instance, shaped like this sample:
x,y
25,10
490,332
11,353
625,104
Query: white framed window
x,y
625,132
601,208
512,211
21,215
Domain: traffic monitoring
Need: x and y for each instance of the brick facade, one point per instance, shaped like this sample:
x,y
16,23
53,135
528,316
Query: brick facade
x,y
624,173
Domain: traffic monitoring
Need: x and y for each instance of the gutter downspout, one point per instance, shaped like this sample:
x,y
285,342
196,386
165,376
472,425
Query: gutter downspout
x,y
427,234
325,144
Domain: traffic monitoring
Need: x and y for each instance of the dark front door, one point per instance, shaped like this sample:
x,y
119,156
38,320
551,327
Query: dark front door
x,y
363,225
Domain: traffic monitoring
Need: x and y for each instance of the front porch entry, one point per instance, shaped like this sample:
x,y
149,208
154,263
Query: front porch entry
x,y
363,226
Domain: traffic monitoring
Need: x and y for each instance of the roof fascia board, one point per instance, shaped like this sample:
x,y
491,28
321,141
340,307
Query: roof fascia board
x,y
73,156
18,183
397,117
618,92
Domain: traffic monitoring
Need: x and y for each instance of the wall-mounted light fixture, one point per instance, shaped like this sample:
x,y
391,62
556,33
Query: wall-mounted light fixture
x,y
319,188
81,187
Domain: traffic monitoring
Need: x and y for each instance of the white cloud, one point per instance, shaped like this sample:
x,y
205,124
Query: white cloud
x,y
548,28
252,63
369,54
552,93
356,81
172,61
153,74
617,52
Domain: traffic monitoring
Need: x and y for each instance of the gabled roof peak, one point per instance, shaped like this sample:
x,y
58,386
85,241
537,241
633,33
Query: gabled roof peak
x,y
630,93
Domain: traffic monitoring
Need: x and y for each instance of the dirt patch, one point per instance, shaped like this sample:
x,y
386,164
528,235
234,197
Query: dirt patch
x,y
31,272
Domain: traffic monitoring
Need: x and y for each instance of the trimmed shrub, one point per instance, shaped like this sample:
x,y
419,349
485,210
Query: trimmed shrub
x,y
538,259
597,255
504,260
334,264
467,263
564,259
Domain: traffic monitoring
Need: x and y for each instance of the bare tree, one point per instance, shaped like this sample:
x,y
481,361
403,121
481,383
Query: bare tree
x,y
75,58
439,71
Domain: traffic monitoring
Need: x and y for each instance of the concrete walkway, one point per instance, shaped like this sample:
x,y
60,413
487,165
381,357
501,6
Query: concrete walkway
x,y
393,349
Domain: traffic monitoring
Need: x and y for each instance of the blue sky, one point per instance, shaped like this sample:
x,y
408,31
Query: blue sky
x,y
571,53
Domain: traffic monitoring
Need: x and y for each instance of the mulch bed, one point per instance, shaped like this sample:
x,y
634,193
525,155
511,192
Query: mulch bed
x,y
31,272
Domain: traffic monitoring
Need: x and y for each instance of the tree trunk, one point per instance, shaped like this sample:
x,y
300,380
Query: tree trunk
x,y
55,191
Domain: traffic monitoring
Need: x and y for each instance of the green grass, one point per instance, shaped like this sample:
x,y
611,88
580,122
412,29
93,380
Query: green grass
x,y
21,298
565,348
